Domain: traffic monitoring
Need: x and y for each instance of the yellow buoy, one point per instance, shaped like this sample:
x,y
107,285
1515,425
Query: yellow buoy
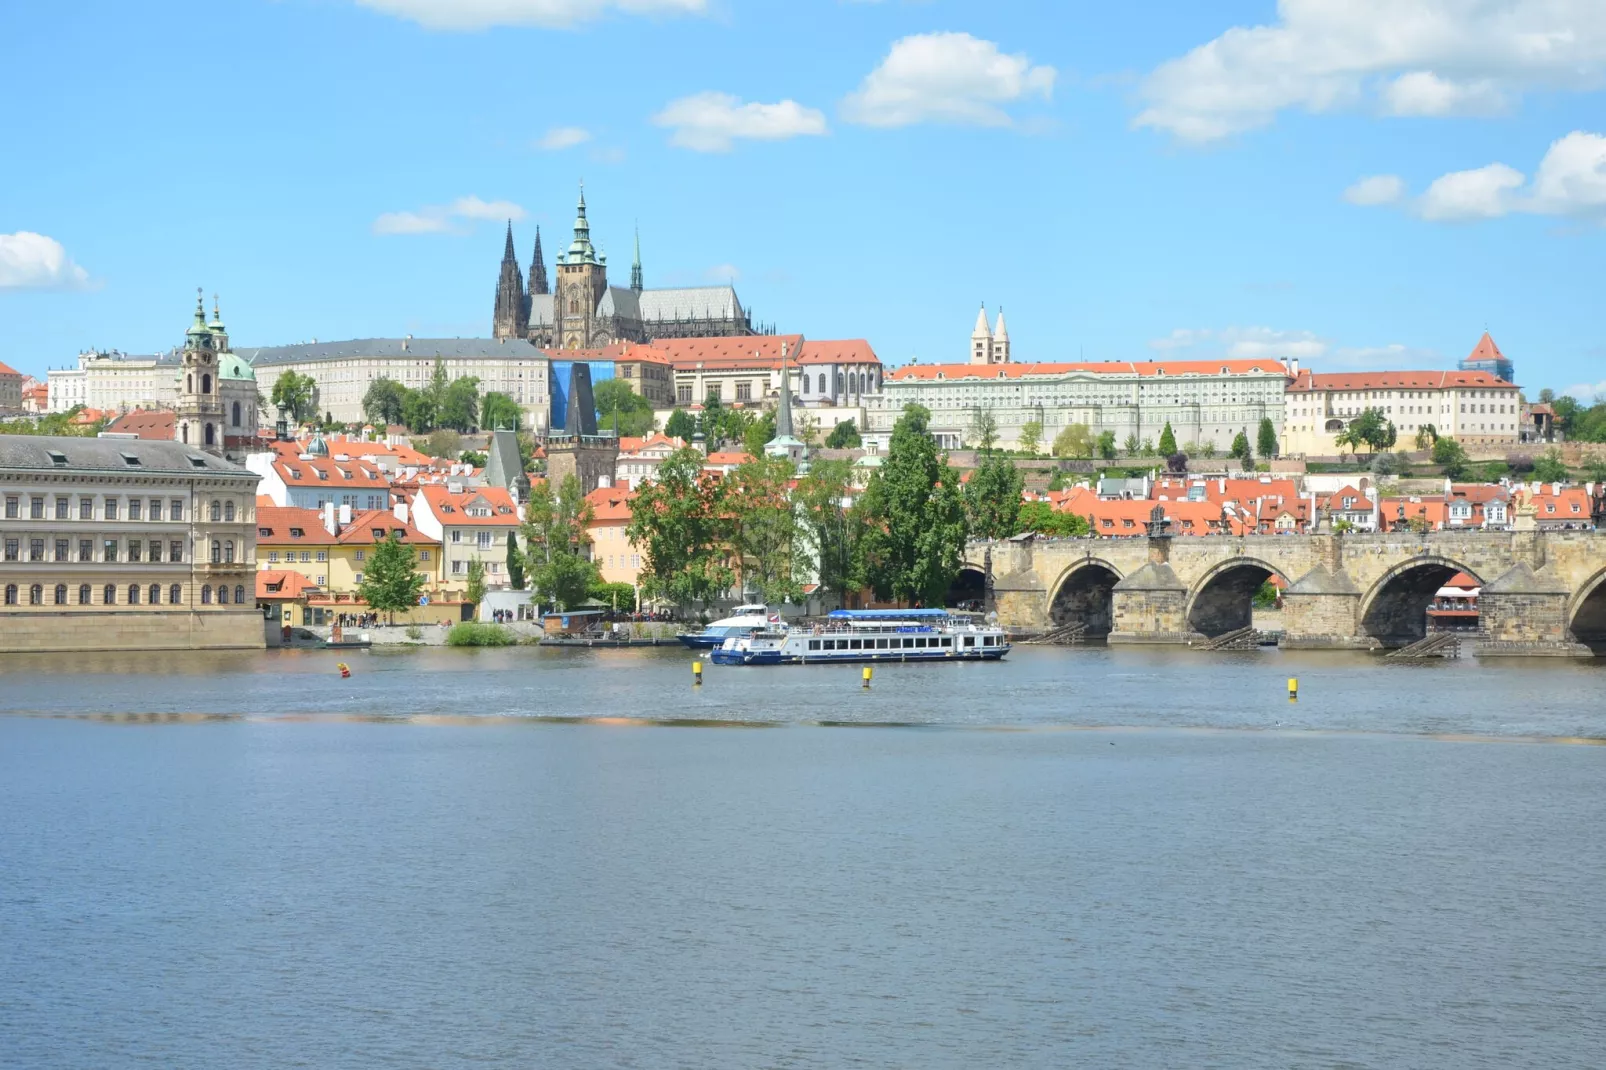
x,y
867,677
696,672
1293,687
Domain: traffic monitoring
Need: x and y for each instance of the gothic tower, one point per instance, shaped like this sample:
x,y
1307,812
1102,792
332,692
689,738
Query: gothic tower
x,y
512,316
635,267
582,280
538,283
199,411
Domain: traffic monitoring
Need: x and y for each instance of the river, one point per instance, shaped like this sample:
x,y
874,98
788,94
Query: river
x,y
520,858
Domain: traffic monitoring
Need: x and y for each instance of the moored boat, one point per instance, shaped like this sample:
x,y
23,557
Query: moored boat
x,y
748,619
869,635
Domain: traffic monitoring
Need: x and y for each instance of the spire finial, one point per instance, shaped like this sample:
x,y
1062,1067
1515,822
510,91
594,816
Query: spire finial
x,y
636,282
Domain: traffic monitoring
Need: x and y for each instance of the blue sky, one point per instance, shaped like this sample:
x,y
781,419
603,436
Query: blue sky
x,y
1361,183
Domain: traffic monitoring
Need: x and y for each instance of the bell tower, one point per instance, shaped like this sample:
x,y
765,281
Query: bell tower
x,y
582,280
199,412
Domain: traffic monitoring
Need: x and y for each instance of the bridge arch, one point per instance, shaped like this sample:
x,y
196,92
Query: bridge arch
x,y
1085,594
1223,599
969,587
1395,610
1586,615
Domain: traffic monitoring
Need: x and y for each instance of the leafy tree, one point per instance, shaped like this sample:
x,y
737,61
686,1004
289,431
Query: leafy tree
x,y
844,436
758,434
992,498
389,581
830,526
1595,469
1372,430
297,394
1265,596
1168,440
1075,441
1106,445
677,520
474,592
984,429
1448,454
418,412
555,542
1266,439
1031,437
1146,448
620,406
1057,480
1550,468
1567,410
1242,451
472,457
1426,436
1385,464
1132,445
383,402
617,595
443,443
914,517
680,425
498,411
765,528
1044,519
1546,396
1494,471
1207,449
807,426
460,405
515,563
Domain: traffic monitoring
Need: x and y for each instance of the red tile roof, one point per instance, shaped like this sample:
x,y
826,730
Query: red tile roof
x,y
1486,349
154,424
6,369
278,521
610,505
282,585
453,509
847,351
643,354
1308,381
1112,367
753,351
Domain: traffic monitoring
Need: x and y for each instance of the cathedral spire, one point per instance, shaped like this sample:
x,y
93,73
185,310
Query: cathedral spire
x,y
580,250
635,267
538,281
511,318
507,252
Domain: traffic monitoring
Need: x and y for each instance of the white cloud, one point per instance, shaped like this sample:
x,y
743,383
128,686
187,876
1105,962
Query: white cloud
x,y
711,122
1375,190
946,77
1572,177
723,273
30,261
483,14
1404,57
1483,193
1395,356
563,137
1587,392
454,218
1269,343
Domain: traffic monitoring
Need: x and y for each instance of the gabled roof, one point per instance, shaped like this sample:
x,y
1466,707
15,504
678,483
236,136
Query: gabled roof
x,y
453,509
847,351
154,424
1486,349
297,472
276,526
753,351
6,369
282,585
1144,369
610,505
689,302
1308,381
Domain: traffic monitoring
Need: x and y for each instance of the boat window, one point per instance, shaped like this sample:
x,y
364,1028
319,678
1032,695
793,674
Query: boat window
x,y
814,644
855,644
970,640
881,644
907,643
947,641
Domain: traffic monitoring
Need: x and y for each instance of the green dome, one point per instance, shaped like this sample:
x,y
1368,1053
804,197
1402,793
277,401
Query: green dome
x,y
230,366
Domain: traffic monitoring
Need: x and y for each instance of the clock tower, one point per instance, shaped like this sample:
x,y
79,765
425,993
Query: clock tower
x,y
199,410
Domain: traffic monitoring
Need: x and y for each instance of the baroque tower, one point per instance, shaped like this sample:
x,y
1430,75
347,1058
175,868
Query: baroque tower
x,y
582,280
512,316
199,411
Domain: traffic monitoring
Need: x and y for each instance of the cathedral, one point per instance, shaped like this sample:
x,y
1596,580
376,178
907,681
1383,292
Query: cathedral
x,y
583,312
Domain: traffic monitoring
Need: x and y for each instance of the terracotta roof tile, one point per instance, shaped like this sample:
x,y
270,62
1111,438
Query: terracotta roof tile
x,y
1028,370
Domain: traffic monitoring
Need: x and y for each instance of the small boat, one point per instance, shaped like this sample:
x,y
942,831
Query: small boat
x,y
870,635
748,619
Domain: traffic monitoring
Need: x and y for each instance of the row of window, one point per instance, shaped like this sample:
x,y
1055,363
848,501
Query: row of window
x,y
110,550
152,595
113,508
308,556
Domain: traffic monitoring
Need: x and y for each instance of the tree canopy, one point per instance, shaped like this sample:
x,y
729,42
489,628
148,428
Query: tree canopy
x,y
1168,440
1075,440
1448,454
765,529
680,425
1044,519
389,581
844,436
1031,437
555,542
677,520
914,517
617,401
499,411
384,402
297,394
1266,439
993,498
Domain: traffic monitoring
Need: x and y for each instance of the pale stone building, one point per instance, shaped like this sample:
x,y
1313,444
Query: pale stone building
x,y
124,544
1476,408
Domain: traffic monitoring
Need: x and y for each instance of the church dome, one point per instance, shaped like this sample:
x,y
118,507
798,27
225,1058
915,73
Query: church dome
x,y
230,366
318,447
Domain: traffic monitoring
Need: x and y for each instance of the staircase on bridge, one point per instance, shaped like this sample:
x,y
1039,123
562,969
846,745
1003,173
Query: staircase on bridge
x,y
1068,635
1438,645
1238,639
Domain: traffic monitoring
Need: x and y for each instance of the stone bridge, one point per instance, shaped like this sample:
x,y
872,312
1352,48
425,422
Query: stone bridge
x,y
1543,592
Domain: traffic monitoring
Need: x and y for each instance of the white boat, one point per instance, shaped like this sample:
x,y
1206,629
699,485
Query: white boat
x,y
749,618
869,635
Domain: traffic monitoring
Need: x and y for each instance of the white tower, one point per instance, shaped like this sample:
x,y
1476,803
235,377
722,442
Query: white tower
x,y
981,340
200,406
1000,340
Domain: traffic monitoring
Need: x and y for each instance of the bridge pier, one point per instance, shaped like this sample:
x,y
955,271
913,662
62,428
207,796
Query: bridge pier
x,y
1523,613
1151,605
1321,611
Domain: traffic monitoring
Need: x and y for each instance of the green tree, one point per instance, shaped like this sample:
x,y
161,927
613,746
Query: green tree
x,y
677,520
1448,454
1550,468
844,436
1266,442
1207,449
472,457
1495,471
914,517
1044,519
1075,440
297,394
474,592
418,412
617,595
620,406
993,498
1168,440
383,402
1242,450
1031,437
555,542
460,405
442,443
515,563
1426,436
758,434
1595,469
389,581
1546,396
1132,445
831,527
984,429
1372,430
680,425
498,411
1057,480
766,529
1106,444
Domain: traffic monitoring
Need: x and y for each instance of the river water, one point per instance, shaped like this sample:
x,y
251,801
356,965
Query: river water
x,y
532,858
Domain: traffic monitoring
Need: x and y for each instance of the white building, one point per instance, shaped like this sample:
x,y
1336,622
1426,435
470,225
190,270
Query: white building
x,y
114,381
1477,409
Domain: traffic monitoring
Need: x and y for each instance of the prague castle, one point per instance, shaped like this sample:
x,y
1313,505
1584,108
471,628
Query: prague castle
x,y
584,312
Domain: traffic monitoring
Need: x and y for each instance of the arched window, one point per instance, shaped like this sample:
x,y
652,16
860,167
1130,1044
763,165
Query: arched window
x,y
222,594
574,306
839,382
36,595
211,436
236,414
228,512
109,595
228,552
217,511
206,595
822,382
11,594
864,382
206,384
239,594
217,552
61,594
156,594
133,594
175,595
83,594
189,384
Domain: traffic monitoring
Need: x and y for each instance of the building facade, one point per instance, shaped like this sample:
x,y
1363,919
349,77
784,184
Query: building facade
x,y
123,544
310,478
10,390
330,547
1477,409
471,524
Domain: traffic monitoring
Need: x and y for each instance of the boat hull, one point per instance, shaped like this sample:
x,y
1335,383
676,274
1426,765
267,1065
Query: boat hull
x,y
722,656
698,641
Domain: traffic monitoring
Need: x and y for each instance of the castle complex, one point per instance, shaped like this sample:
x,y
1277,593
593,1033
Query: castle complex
x,y
585,312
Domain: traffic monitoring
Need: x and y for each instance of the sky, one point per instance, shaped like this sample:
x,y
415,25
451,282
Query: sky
x,y
1362,184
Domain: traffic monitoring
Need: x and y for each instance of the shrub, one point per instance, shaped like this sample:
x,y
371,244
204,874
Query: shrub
x,y
476,633
414,632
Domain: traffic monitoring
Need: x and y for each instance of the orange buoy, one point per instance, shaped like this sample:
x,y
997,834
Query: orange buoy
x,y
345,670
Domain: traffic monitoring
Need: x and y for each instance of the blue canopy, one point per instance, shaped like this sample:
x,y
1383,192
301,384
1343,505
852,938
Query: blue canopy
x,y
887,614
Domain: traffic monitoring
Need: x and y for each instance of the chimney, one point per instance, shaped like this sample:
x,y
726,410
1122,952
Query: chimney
x,y
345,515
400,511
329,518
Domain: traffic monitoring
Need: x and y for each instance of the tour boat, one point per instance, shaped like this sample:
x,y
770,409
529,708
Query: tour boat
x,y
869,635
748,619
